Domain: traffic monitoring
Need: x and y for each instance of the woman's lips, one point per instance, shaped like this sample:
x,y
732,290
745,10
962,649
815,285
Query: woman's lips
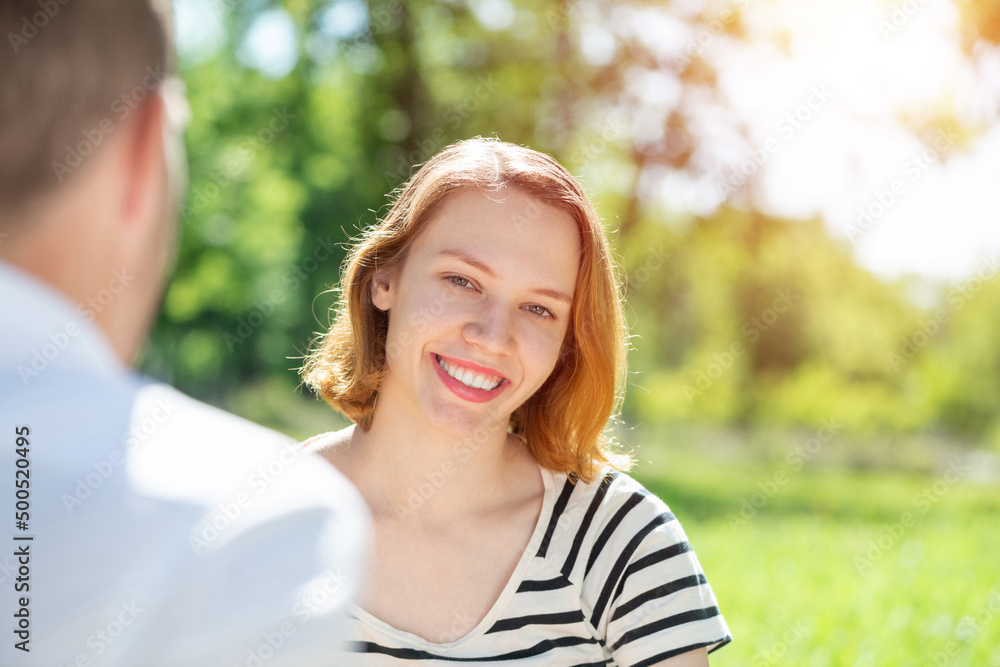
x,y
465,391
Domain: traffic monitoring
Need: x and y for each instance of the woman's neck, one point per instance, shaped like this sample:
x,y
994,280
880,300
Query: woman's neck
x,y
408,469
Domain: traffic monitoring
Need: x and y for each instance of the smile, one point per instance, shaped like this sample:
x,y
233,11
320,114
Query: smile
x,y
468,383
469,377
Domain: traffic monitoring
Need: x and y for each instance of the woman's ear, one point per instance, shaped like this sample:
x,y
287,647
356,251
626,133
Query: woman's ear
x,y
381,288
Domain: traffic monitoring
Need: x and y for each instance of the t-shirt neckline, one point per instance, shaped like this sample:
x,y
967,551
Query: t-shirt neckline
x,y
513,583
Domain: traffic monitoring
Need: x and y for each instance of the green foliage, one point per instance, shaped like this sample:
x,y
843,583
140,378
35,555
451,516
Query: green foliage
x,y
738,318
768,322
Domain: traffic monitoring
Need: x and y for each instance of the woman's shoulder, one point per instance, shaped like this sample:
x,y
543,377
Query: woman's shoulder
x,y
332,446
325,443
610,493
594,522
628,555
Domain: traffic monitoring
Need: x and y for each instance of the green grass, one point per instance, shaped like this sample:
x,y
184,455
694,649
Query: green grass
x,y
824,572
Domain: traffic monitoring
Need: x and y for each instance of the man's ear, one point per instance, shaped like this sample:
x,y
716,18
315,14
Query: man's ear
x,y
382,285
145,161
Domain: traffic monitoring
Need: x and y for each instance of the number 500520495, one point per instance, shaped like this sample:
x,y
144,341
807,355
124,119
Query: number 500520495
x,y
22,477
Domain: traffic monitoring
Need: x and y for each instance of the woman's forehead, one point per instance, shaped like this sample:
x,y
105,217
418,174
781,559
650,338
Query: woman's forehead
x,y
514,222
509,214
515,232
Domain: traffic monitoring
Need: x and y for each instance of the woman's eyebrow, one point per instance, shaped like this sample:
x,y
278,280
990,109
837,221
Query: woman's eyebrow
x,y
469,259
475,262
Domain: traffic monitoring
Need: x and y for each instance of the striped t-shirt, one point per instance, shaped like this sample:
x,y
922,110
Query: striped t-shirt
x,y
608,578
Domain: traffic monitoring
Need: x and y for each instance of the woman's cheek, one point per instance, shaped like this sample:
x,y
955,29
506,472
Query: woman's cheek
x,y
539,347
431,305
405,326
412,315
555,349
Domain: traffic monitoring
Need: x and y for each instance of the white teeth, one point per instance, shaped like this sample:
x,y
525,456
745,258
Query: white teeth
x,y
469,377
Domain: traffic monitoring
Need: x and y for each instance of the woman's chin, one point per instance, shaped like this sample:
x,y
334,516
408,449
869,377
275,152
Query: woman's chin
x,y
477,425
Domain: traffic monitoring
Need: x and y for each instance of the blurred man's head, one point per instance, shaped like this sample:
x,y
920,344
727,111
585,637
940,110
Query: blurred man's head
x,y
89,182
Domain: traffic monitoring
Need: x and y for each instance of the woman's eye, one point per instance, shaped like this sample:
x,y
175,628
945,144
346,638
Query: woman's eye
x,y
459,281
540,310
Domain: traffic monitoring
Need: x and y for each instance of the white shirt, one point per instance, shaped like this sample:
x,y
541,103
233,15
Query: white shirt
x,y
164,531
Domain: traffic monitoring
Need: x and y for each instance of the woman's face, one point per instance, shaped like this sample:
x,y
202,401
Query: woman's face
x,y
479,310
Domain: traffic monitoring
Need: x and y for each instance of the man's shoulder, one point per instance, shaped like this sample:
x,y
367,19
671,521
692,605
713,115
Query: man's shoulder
x,y
181,447
159,405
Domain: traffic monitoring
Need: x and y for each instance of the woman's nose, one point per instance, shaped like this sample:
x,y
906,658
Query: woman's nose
x,y
491,328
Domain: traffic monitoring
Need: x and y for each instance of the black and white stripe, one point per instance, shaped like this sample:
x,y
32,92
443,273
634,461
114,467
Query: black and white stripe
x,y
612,581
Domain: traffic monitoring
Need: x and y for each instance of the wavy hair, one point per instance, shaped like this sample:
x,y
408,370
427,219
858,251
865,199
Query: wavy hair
x,y
563,423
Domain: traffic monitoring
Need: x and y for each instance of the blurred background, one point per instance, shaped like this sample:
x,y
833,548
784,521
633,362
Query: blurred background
x,y
803,195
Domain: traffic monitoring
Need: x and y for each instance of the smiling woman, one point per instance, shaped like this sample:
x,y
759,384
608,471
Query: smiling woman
x,y
479,345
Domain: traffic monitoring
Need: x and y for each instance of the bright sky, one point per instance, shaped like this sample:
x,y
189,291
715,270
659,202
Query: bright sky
x,y
943,220
860,64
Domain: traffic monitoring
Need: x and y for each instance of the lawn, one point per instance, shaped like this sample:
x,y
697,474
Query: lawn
x,y
830,566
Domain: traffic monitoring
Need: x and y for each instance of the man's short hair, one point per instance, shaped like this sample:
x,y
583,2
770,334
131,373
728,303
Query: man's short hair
x,y
70,72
